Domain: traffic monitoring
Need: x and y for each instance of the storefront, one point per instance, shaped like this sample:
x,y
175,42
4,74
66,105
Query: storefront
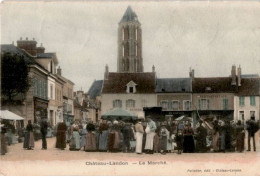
x,y
40,109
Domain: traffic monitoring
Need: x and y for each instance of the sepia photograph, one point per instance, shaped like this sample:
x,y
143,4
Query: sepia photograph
x,y
130,88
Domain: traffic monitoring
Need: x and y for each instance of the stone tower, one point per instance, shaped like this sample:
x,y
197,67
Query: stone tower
x,y
129,57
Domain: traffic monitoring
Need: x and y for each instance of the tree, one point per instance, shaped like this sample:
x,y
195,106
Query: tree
x,y
14,77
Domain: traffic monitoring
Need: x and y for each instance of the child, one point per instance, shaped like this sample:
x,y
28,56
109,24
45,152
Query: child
x,y
179,141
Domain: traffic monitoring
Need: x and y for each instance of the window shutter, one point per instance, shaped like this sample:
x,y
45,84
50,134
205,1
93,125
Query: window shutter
x,y
170,105
208,103
199,103
114,103
160,103
120,103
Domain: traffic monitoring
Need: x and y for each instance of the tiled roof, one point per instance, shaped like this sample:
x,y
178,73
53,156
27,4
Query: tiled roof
x,y
129,15
213,85
116,82
249,87
173,85
95,89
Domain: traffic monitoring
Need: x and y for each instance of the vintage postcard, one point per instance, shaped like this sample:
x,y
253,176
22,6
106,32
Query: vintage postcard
x,y
99,87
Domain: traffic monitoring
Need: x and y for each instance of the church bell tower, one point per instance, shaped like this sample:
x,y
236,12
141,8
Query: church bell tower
x,y
129,59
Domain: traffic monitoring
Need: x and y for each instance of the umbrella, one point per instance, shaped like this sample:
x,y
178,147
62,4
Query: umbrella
x,y
120,114
8,115
183,118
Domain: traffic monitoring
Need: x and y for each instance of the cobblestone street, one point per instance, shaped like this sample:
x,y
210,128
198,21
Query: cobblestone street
x,y
64,162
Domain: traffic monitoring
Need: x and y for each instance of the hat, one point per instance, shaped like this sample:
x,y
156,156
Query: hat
x,y
164,123
115,122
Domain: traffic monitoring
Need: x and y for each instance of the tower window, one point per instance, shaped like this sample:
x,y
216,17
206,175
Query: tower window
x,y
123,50
123,33
136,34
136,49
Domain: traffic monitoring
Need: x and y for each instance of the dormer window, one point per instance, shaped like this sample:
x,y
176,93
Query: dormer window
x,y
131,87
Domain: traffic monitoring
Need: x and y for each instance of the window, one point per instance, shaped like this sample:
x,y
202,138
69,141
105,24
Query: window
x,y
252,114
123,50
136,34
130,103
170,105
117,103
40,87
241,115
225,104
241,101
203,104
123,33
252,100
136,49
175,105
51,91
187,105
131,89
35,86
164,105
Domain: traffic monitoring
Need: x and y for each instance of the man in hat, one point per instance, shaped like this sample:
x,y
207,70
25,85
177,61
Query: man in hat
x,y
150,131
44,129
252,129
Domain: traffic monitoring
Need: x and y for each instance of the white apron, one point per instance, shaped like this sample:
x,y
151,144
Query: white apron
x,y
149,138
139,142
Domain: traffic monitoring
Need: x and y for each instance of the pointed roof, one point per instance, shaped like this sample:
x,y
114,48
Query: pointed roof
x,y
129,15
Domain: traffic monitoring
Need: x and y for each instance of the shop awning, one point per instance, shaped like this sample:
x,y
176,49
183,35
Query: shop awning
x,y
8,115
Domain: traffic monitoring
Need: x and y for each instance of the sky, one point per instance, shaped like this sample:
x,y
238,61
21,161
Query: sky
x,y
209,37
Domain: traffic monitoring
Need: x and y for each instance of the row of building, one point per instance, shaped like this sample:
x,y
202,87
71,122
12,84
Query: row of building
x,y
235,96
51,95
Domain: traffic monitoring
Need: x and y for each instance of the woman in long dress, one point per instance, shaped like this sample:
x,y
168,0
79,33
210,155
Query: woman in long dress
x,y
61,136
29,137
164,136
83,133
75,139
90,138
2,142
215,141
188,141
139,131
240,141
103,136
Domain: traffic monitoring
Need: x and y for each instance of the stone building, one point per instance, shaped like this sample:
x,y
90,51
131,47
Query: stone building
x,y
55,84
174,95
35,104
67,98
129,43
93,101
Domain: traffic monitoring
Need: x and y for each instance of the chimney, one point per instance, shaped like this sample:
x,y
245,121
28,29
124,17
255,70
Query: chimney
x,y
28,45
233,75
59,71
106,72
153,69
40,49
192,73
239,76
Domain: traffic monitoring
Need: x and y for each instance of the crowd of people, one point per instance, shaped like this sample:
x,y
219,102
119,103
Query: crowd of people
x,y
145,136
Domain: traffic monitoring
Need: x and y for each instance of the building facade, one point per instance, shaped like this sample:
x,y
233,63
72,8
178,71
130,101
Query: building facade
x,y
174,97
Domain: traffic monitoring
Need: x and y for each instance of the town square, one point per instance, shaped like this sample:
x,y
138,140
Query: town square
x,y
121,88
